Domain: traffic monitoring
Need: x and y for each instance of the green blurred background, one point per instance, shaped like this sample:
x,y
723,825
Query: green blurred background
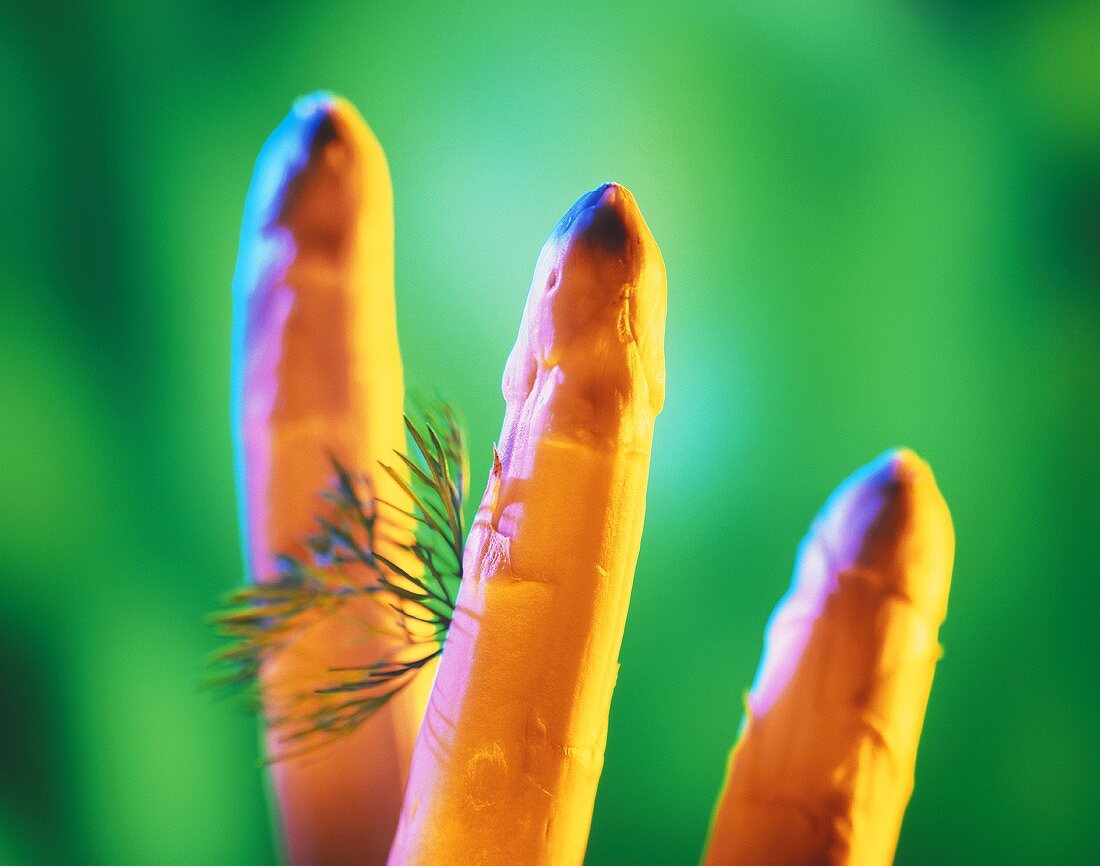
x,y
881,226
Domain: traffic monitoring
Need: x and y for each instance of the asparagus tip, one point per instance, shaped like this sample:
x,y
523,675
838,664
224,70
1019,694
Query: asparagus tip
x,y
605,217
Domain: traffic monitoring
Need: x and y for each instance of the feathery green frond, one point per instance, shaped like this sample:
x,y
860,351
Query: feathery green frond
x,y
344,564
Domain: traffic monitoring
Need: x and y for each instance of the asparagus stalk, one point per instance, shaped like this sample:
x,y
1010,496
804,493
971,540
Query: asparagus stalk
x,y
824,765
508,759
317,379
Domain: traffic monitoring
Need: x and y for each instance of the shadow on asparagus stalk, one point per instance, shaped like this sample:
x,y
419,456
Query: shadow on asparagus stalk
x,y
352,601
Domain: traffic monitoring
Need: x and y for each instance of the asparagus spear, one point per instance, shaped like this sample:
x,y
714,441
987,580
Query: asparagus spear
x,y
824,765
508,759
317,378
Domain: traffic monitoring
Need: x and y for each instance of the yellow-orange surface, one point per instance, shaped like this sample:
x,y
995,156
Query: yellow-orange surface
x,y
506,765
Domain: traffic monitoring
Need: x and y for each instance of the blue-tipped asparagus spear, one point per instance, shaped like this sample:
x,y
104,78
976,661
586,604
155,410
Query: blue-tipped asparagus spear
x,y
317,385
824,765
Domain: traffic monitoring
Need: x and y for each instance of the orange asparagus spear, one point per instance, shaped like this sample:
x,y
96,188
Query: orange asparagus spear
x,y
824,766
317,376
507,762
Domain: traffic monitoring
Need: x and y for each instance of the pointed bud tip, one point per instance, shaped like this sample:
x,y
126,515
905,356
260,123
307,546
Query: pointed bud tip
x,y
322,136
321,117
596,310
605,218
863,496
899,467
886,511
310,105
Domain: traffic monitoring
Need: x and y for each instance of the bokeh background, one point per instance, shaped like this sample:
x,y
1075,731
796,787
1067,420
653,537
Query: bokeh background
x,y
881,227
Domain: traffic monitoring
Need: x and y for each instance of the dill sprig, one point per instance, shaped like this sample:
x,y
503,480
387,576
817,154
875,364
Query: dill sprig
x,y
344,564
